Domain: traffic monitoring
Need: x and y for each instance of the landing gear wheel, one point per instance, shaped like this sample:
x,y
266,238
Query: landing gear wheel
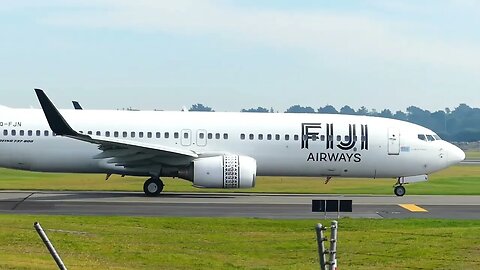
x,y
152,187
399,191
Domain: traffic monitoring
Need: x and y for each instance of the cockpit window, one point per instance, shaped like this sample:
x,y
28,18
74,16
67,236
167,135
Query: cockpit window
x,y
422,137
430,138
437,137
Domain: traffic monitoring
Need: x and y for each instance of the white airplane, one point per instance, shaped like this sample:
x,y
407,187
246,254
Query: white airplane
x,y
219,150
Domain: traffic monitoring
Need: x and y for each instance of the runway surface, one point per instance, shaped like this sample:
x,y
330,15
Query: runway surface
x,y
233,205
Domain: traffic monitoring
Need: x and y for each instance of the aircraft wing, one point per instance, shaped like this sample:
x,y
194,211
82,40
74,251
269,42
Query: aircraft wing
x,y
120,152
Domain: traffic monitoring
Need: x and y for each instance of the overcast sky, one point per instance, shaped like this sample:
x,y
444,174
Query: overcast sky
x,y
240,54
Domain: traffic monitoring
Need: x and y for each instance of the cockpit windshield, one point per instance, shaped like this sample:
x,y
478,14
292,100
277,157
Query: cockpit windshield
x,y
429,137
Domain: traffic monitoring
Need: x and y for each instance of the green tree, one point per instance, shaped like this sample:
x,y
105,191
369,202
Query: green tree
x,y
200,108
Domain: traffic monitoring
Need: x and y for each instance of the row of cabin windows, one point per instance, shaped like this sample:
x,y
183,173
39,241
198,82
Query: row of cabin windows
x,y
186,135
268,137
29,133
157,135
117,134
287,137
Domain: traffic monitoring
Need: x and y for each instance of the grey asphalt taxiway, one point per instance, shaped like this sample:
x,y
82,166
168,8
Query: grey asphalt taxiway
x,y
291,206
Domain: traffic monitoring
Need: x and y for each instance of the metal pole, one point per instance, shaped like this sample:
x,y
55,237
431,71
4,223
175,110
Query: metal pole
x,y
49,246
325,208
338,209
321,245
333,245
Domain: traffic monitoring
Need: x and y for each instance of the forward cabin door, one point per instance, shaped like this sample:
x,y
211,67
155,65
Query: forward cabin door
x,y
393,141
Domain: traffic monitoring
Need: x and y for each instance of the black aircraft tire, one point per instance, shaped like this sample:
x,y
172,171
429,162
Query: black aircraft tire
x,y
153,187
399,191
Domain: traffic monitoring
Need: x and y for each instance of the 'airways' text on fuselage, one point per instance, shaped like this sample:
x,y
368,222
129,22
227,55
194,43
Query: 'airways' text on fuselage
x,y
335,157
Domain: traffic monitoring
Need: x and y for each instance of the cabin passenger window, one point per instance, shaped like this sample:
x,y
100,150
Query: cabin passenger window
x,y
201,135
295,137
260,137
225,136
98,133
14,132
210,136
175,135
89,132
167,135
322,138
287,137
140,134
30,133
115,134
422,137
277,137
107,133
269,137
158,135
217,136
242,136
251,136
22,132
5,132
132,134
185,135
45,133
38,133
125,134
339,138
149,134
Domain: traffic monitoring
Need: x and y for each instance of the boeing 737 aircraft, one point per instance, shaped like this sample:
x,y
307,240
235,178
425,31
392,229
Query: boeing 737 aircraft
x,y
219,150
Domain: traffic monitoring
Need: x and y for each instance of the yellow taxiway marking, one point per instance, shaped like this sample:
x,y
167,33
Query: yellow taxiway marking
x,y
413,208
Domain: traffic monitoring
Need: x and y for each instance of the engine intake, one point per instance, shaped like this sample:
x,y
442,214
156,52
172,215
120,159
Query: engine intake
x,y
227,171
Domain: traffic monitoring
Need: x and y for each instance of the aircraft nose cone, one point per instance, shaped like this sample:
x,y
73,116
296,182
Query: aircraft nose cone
x,y
455,155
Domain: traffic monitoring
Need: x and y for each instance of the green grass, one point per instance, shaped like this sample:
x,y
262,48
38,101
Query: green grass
x,y
235,243
459,180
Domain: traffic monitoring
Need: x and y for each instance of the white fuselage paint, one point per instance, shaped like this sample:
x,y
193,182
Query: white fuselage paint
x,y
408,155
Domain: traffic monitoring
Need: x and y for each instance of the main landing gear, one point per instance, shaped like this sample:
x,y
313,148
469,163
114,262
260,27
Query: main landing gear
x,y
153,186
398,188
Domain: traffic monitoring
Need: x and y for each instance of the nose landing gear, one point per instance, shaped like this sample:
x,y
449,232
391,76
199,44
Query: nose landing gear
x,y
153,186
399,188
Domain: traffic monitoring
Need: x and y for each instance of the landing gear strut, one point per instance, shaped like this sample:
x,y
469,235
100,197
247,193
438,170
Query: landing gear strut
x,y
153,186
399,189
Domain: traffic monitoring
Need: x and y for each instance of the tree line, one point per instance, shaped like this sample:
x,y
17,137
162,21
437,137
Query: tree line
x,y
461,124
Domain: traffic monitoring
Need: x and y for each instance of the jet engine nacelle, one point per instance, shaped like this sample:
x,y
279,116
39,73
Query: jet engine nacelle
x,y
227,171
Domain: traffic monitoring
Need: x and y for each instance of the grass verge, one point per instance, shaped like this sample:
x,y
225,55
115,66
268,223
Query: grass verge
x,y
457,180
235,243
